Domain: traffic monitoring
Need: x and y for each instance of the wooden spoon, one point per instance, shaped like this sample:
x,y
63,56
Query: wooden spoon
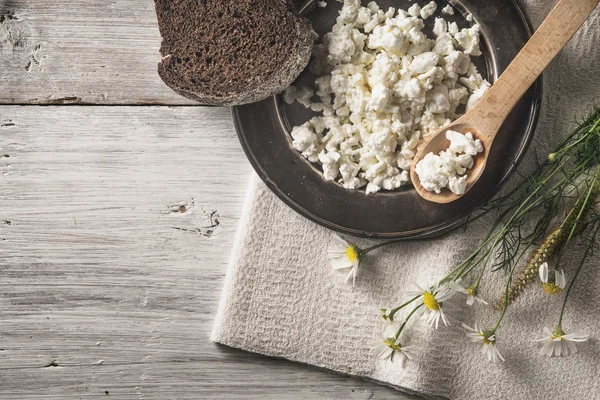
x,y
485,119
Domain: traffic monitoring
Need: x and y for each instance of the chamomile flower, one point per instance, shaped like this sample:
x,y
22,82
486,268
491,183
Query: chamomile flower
x,y
488,339
459,286
558,343
552,286
344,255
390,347
432,298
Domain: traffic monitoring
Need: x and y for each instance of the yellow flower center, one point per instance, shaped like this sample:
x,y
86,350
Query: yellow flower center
x,y
485,339
558,334
351,253
550,288
391,343
471,291
430,301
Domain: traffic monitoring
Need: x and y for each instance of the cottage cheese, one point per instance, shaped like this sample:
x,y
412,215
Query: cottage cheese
x,y
448,169
448,10
428,10
383,86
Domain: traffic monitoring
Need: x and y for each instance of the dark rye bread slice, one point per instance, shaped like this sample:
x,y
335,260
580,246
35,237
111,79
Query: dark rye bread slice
x,y
230,52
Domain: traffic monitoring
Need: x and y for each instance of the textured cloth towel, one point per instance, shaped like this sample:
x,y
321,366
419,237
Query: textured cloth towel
x,y
282,298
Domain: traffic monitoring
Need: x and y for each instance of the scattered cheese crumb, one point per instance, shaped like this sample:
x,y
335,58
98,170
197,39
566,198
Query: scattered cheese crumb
x,y
289,95
468,39
414,10
448,10
428,10
322,4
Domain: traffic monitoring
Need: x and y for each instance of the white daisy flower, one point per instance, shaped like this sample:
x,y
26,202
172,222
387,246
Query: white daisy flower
x,y
558,344
390,347
552,286
459,286
343,255
488,338
433,299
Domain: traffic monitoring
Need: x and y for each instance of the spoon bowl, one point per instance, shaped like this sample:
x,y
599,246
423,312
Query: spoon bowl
x,y
437,143
485,119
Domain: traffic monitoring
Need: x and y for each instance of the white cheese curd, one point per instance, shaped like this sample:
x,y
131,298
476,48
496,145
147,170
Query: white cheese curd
x,y
477,94
304,95
460,143
468,39
448,169
440,27
289,94
414,10
306,141
453,28
428,10
448,10
382,87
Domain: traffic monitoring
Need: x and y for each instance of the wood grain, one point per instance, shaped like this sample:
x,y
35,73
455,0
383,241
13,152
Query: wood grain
x,y
82,52
117,223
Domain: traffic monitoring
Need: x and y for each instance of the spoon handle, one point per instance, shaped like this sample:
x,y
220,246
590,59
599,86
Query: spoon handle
x,y
554,33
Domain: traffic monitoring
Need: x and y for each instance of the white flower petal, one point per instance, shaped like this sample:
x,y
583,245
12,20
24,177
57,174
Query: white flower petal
x,y
444,294
341,262
341,242
457,286
574,338
334,253
559,277
558,346
544,272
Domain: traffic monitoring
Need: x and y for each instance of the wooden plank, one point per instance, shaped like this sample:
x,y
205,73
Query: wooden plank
x,y
99,293
83,51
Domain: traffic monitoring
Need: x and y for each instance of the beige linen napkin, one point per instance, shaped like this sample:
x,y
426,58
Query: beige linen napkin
x,y
282,298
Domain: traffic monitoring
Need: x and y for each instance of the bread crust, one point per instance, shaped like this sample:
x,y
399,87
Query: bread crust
x,y
289,68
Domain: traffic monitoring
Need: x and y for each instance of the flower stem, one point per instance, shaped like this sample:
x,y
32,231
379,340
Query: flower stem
x,y
395,310
592,191
476,286
506,299
397,335
583,259
370,249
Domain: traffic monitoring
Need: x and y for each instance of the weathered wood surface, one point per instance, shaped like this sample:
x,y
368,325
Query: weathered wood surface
x,y
81,51
117,224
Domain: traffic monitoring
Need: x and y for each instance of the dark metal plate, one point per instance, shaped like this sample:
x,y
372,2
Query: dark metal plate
x,y
263,129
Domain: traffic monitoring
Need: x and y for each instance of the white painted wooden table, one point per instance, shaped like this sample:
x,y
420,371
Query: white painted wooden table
x,y
118,205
